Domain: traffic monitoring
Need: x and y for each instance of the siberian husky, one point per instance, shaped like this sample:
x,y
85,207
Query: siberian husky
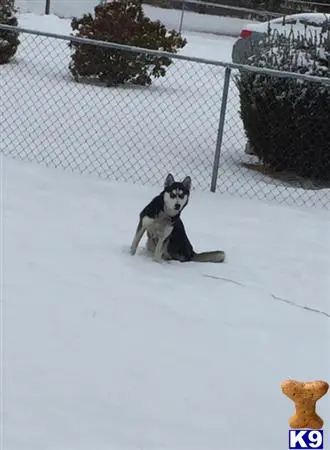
x,y
166,235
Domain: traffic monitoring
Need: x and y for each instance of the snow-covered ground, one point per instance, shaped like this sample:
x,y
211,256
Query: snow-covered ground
x,y
105,351
191,21
130,133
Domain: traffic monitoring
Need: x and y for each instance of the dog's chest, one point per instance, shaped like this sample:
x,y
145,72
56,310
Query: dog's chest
x,y
158,226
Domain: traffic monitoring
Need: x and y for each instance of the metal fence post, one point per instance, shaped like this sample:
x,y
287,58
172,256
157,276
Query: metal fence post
x,y
47,7
181,17
220,129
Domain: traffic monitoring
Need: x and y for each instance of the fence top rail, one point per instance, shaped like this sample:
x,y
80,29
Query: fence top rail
x,y
242,67
262,12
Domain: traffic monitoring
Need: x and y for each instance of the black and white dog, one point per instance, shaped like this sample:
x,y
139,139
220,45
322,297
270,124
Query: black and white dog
x,y
166,235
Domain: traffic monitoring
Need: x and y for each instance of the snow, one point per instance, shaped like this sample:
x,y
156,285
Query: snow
x,y
294,23
299,45
102,350
203,23
170,17
206,45
131,133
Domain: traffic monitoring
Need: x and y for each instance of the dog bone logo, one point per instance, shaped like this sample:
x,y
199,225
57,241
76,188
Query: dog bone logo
x,y
305,395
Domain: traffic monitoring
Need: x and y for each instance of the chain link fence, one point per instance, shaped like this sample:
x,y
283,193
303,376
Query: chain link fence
x,y
187,123
289,133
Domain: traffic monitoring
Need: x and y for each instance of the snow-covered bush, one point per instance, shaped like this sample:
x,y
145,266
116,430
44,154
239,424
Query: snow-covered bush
x,y
8,40
123,22
287,120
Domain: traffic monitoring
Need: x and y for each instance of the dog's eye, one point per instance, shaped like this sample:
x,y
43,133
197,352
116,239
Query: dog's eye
x,y
172,195
181,196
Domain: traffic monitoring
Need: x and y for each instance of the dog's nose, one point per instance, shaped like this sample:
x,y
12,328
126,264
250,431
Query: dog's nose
x,y
177,206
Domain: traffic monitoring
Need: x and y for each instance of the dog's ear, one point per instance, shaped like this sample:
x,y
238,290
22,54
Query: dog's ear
x,y
169,180
187,183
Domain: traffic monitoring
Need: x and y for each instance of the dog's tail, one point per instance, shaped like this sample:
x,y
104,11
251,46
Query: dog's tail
x,y
217,256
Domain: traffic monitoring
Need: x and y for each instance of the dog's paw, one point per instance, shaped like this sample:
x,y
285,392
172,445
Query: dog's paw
x,y
132,251
157,259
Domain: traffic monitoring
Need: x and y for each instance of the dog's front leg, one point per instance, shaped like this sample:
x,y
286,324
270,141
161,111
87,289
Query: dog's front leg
x,y
137,237
161,242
